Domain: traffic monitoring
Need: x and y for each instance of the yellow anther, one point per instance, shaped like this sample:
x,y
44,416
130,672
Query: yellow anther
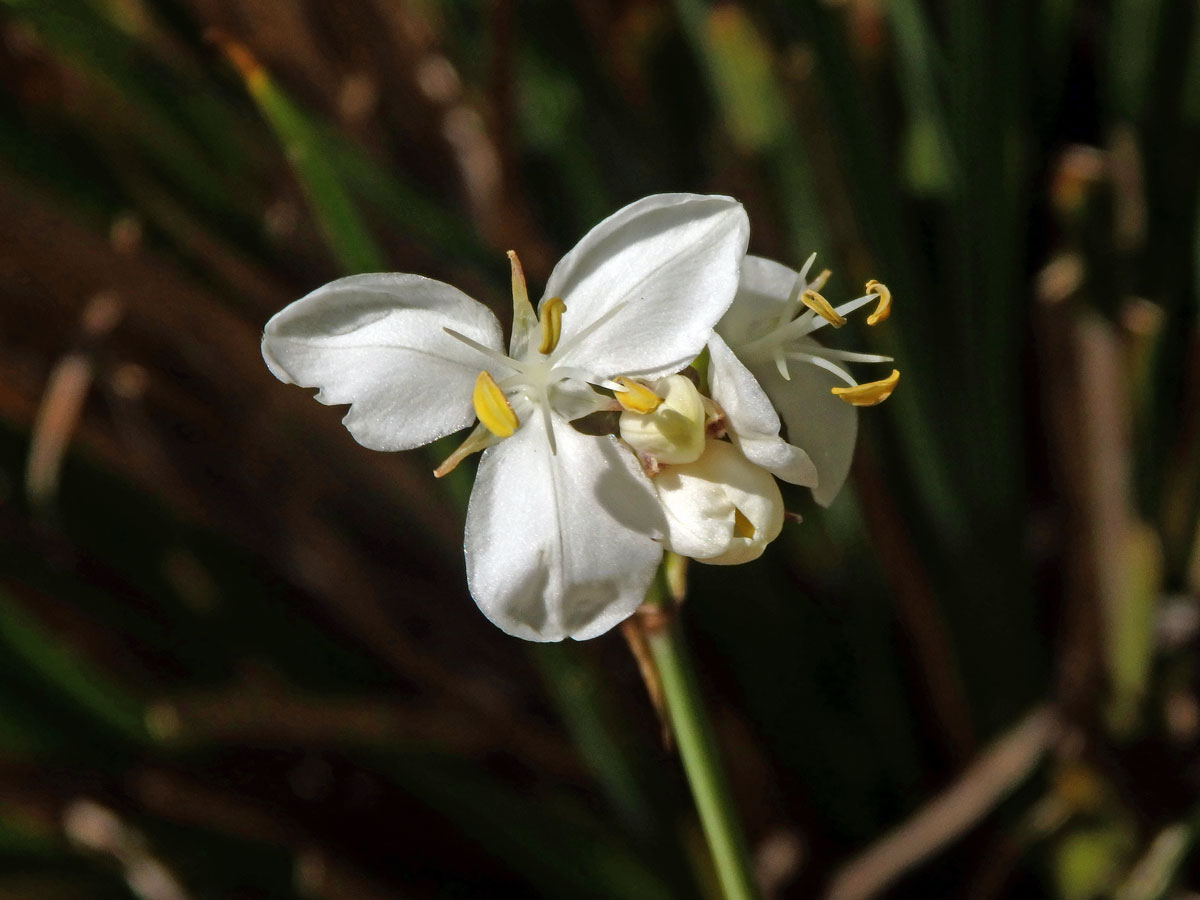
x,y
884,309
492,407
670,430
636,397
870,394
552,311
742,527
821,307
819,282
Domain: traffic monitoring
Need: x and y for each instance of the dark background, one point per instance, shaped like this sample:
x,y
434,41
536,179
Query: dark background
x,y
237,654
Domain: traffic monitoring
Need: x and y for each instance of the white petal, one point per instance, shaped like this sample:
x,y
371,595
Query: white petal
x,y
560,545
756,496
701,499
699,512
377,343
816,420
660,273
764,288
753,423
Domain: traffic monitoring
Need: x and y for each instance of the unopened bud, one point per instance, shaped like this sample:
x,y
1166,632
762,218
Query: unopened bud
x,y
673,433
721,509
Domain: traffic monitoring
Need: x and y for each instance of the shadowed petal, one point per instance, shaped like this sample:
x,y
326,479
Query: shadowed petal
x,y
560,545
816,420
753,423
706,500
763,290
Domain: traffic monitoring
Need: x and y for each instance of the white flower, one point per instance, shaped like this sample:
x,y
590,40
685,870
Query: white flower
x,y
720,508
765,365
561,526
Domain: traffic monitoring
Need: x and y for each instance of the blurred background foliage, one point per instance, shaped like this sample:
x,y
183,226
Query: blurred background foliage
x,y
237,655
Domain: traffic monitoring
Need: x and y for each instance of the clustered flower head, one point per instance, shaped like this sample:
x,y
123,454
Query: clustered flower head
x,y
566,526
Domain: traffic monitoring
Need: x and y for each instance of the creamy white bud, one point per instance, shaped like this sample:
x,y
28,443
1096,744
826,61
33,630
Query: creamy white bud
x,y
721,509
674,432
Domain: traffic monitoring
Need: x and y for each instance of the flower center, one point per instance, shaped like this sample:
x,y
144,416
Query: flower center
x,y
526,380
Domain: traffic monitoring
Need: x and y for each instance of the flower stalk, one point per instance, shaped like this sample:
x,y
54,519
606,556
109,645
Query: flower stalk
x,y
698,750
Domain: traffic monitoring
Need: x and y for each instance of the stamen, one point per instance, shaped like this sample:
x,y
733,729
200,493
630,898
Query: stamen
x,y
822,308
819,282
781,364
884,309
492,407
714,419
788,310
479,439
848,355
742,527
636,397
803,325
524,319
827,366
574,373
493,355
852,305
520,292
587,330
870,394
806,324
552,311
812,258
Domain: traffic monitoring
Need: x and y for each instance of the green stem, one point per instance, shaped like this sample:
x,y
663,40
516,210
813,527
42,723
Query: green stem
x,y
701,759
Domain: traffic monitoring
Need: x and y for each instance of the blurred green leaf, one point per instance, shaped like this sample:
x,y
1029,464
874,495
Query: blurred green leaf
x,y
1089,860
590,714
740,64
741,70
344,230
123,101
1130,636
928,155
60,669
1134,31
1191,85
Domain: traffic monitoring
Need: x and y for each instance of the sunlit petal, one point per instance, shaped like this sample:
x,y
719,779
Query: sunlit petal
x,y
659,273
377,342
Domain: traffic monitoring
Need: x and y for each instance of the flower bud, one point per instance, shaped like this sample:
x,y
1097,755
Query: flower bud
x,y
721,509
673,433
